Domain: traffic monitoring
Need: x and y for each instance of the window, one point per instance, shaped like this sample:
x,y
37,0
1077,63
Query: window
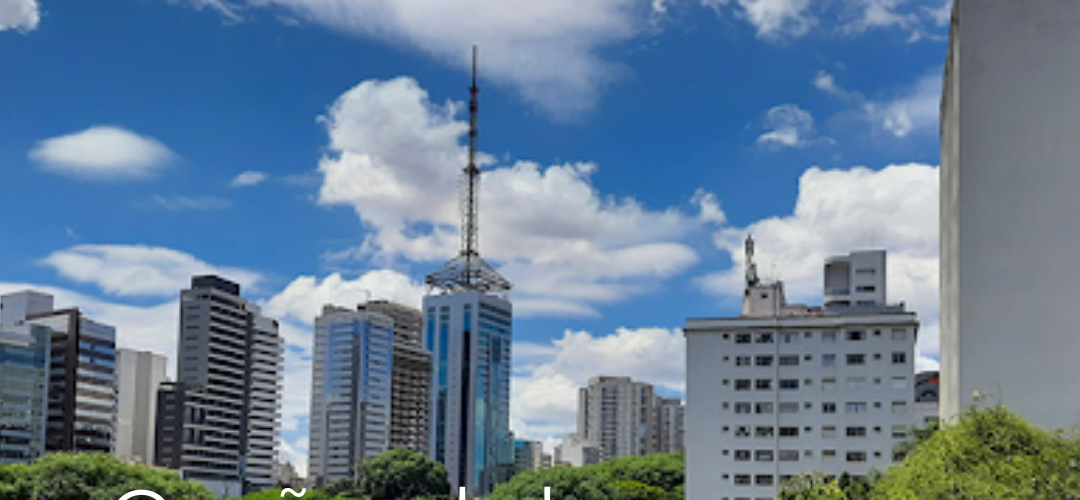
x,y
743,338
742,360
855,408
742,479
828,384
789,384
742,384
899,382
789,432
899,407
856,336
763,456
828,407
856,456
828,455
856,359
727,336
899,432
789,338
742,408
865,288
828,432
725,405
789,455
808,381
763,432
742,455
828,360
856,432
899,358
763,361
877,356
899,334
763,480
828,337
792,360
764,338
742,431
763,384
808,335
762,408
789,407
856,382
727,382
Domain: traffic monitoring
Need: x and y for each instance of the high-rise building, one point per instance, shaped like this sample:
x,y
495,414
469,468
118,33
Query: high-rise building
x,y
82,373
469,334
468,329
787,389
618,416
350,391
410,385
528,455
1009,117
669,425
24,389
576,451
139,374
220,423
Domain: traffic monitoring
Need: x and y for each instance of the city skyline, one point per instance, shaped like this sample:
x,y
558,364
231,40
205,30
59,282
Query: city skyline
x,y
122,247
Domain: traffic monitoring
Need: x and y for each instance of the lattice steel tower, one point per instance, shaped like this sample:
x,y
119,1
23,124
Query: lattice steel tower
x,y
469,271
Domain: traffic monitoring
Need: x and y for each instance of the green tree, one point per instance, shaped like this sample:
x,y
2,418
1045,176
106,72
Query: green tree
x,y
990,454
814,486
91,476
651,477
400,474
916,436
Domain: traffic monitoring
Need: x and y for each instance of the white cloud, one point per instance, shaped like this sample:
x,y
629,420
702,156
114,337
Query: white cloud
x,y
248,178
543,401
229,10
838,211
138,270
21,15
395,157
773,19
915,111
709,207
879,14
102,153
552,52
788,126
303,299
181,203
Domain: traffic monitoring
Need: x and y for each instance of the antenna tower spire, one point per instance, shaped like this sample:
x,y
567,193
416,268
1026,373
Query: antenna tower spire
x,y
468,271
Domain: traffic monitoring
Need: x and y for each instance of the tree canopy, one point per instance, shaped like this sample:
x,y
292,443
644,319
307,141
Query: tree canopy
x,y
652,477
91,476
400,474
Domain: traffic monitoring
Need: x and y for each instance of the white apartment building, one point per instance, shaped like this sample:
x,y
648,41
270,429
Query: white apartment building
x,y
787,389
618,416
1010,114
669,425
350,391
575,451
139,375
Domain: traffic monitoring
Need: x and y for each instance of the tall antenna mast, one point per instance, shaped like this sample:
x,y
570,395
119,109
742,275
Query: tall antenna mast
x,y
468,271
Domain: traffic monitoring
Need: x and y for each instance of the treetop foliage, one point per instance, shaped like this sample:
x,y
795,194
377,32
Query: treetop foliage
x,y
92,476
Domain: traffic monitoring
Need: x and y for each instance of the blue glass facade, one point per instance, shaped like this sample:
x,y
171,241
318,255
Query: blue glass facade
x,y
24,360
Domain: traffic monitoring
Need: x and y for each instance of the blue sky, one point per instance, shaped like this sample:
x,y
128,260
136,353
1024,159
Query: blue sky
x,y
310,150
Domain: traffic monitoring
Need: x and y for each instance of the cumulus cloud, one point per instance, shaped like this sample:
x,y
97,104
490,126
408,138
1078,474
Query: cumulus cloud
x,y
394,158
20,15
785,20
709,207
303,299
181,203
248,178
103,153
837,211
138,270
543,401
787,126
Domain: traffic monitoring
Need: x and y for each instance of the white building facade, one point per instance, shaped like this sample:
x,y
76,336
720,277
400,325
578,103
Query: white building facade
x,y
139,375
788,389
1009,148
576,451
469,334
350,391
618,415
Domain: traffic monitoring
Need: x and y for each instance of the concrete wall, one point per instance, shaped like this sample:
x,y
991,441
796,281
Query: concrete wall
x,y
1010,170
